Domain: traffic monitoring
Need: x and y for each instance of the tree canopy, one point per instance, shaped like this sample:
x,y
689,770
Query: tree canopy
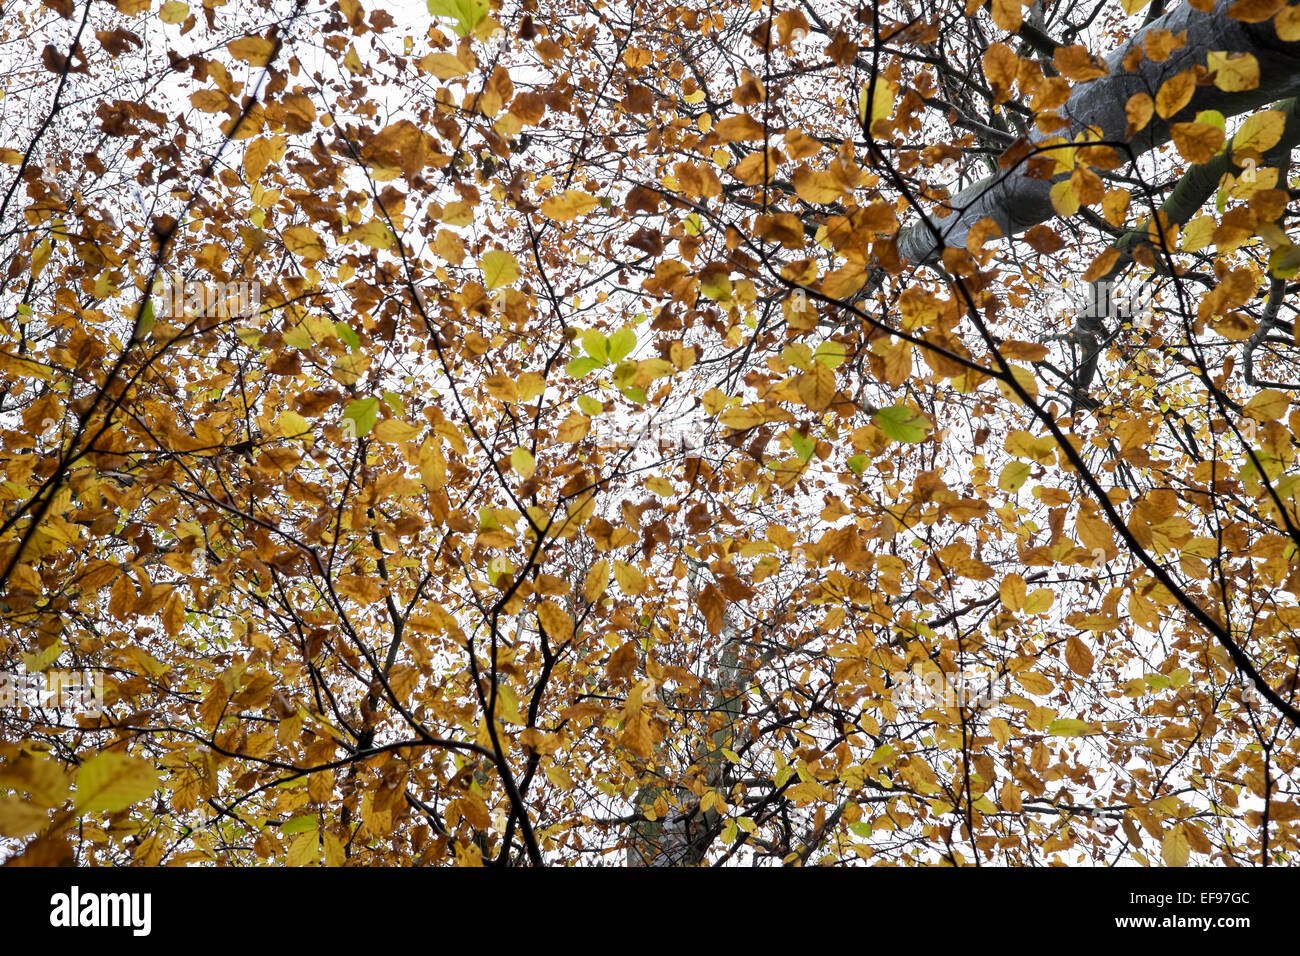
x,y
503,432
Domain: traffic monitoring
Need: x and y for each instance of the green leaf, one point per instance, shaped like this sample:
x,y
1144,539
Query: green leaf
x,y
467,13
522,461
717,286
1069,727
146,320
114,781
582,366
39,660
1014,475
394,402
1213,118
857,463
589,405
831,354
300,824
596,345
621,343
298,338
902,423
362,413
803,445
347,335
1284,262
499,268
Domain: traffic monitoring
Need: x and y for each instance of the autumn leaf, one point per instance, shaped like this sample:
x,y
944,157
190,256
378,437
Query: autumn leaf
x,y
1174,848
444,66
499,268
1258,133
1175,93
568,205
255,51
113,781
1233,73
558,624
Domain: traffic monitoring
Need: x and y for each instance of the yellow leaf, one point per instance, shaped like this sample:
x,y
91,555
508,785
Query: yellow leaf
x,y
630,580
1197,142
1001,730
1078,656
444,66
574,428
1001,66
522,461
741,418
1007,14
661,486
113,781
210,101
20,818
1175,93
393,431
303,849
1038,601
1114,205
374,234
882,98
557,623
260,153
253,50
735,128
597,581
1035,682
816,187
1012,592
433,466
499,268
1139,110
1025,379
570,204
817,387
559,776
173,12
303,241
1174,848
1064,200
1267,406
1259,133
1014,474
1077,64
1287,23
1199,233
1233,72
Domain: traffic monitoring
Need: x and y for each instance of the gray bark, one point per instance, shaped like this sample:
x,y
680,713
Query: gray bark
x,y
1015,201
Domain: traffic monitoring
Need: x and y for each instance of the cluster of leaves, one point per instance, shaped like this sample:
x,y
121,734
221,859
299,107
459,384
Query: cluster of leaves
x,y
373,575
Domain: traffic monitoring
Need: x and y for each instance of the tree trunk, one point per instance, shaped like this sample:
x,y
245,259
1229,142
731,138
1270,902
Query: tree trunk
x,y
1016,201
683,837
